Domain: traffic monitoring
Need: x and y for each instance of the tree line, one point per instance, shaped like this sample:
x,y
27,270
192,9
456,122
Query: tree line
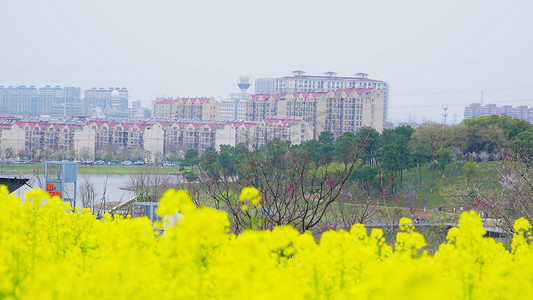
x,y
299,183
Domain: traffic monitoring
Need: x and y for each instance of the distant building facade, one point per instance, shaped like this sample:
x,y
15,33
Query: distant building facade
x,y
192,109
32,101
138,111
302,83
97,138
337,111
230,105
39,138
106,99
476,110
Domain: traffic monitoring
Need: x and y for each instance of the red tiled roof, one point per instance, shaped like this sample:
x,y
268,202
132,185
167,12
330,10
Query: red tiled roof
x,y
305,95
98,123
44,125
165,123
183,100
168,101
113,124
266,96
210,125
201,100
260,95
143,126
194,124
73,126
239,124
31,124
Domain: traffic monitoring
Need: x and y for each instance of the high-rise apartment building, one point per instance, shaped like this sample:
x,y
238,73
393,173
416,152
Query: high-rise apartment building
x,y
301,83
337,111
265,85
106,99
34,101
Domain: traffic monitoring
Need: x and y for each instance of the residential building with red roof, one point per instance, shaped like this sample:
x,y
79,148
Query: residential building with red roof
x,y
299,82
293,130
260,107
194,109
152,139
338,111
39,138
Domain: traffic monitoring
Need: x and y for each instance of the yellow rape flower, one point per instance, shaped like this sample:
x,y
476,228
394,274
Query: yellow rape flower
x,y
47,250
250,194
521,225
174,201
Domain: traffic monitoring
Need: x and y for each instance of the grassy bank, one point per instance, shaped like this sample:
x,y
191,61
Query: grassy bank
x,y
434,188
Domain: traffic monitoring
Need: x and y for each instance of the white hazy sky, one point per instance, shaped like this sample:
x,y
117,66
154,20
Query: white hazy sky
x,y
432,53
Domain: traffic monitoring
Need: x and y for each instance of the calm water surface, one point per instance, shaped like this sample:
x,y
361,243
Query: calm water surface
x,y
112,188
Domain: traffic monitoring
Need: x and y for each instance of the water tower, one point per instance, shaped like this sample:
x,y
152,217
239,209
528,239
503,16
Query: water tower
x,y
244,77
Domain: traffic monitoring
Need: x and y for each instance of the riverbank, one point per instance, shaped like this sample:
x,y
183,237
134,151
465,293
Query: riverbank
x,y
88,170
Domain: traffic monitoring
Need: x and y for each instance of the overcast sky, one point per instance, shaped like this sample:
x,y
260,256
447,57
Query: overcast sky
x,y
432,53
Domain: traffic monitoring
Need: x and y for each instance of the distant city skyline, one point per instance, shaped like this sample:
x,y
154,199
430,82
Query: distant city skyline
x,y
476,110
410,115
431,53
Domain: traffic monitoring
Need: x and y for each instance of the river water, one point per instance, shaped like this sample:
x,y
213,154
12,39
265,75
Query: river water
x,y
112,183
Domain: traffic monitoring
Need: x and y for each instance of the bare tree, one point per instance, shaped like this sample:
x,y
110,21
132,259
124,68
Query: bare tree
x,y
353,209
100,208
504,197
514,197
87,194
295,189
38,177
149,185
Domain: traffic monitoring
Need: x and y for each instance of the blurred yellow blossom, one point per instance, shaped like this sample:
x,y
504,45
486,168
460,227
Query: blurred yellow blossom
x,y
250,194
50,251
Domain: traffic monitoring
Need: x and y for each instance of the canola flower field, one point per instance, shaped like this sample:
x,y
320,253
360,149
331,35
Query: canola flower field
x,y
49,252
